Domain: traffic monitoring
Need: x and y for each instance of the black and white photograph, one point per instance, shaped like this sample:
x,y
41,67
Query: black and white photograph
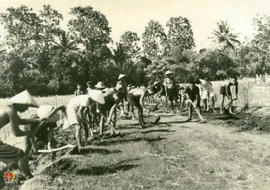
x,y
135,94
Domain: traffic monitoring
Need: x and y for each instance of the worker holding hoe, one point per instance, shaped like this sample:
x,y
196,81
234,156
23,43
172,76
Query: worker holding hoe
x,y
226,92
192,92
77,110
171,90
9,115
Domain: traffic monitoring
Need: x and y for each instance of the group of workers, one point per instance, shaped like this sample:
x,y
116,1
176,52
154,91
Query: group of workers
x,y
99,106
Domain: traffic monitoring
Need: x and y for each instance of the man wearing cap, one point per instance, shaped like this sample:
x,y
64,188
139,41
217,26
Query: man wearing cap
x,y
100,86
9,115
170,89
77,109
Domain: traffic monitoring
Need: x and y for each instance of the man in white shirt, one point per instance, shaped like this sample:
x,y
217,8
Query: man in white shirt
x,y
77,109
207,94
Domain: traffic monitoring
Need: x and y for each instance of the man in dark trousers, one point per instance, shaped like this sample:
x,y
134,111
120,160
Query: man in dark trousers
x,y
171,89
193,94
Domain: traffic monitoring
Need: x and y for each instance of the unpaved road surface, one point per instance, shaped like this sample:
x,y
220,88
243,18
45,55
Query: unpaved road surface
x,y
171,155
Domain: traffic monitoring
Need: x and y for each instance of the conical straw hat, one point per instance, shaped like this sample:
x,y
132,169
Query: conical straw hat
x,y
121,76
168,72
97,96
23,98
45,110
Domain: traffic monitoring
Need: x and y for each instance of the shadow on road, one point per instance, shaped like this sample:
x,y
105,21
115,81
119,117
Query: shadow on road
x,y
103,170
91,150
126,139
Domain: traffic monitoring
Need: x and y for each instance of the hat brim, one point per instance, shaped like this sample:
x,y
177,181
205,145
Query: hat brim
x,y
29,105
120,77
100,87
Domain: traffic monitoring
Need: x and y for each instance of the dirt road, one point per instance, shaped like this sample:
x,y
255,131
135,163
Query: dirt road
x,y
171,155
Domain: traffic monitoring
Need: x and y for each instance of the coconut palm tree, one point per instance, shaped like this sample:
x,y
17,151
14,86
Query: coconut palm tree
x,y
224,36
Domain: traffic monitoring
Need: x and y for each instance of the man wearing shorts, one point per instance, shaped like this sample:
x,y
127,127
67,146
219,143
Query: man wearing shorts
x,y
226,92
207,93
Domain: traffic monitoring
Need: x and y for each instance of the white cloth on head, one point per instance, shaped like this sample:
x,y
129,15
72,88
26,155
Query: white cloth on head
x,y
23,98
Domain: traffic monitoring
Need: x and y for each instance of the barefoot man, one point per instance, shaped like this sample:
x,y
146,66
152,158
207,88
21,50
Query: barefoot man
x,y
9,115
226,92
77,109
193,95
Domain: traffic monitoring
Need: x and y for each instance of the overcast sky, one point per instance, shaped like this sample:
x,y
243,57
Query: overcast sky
x,y
134,15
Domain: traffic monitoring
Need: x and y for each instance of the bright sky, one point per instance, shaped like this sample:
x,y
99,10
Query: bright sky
x,y
124,15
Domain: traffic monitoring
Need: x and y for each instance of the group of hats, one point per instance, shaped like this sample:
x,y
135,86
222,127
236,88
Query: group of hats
x,y
100,85
44,111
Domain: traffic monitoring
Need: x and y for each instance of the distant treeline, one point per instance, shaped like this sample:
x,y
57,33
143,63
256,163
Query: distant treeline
x,y
37,54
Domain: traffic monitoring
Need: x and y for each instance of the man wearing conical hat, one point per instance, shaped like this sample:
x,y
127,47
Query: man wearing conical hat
x,y
77,110
9,115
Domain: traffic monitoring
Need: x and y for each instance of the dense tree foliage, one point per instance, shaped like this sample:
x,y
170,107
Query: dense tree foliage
x,y
39,54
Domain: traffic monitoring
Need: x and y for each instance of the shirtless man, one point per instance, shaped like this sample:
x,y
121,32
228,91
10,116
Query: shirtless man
x,y
112,96
226,92
9,115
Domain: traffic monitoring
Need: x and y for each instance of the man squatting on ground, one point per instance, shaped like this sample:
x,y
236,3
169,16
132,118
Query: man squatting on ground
x,y
9,115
